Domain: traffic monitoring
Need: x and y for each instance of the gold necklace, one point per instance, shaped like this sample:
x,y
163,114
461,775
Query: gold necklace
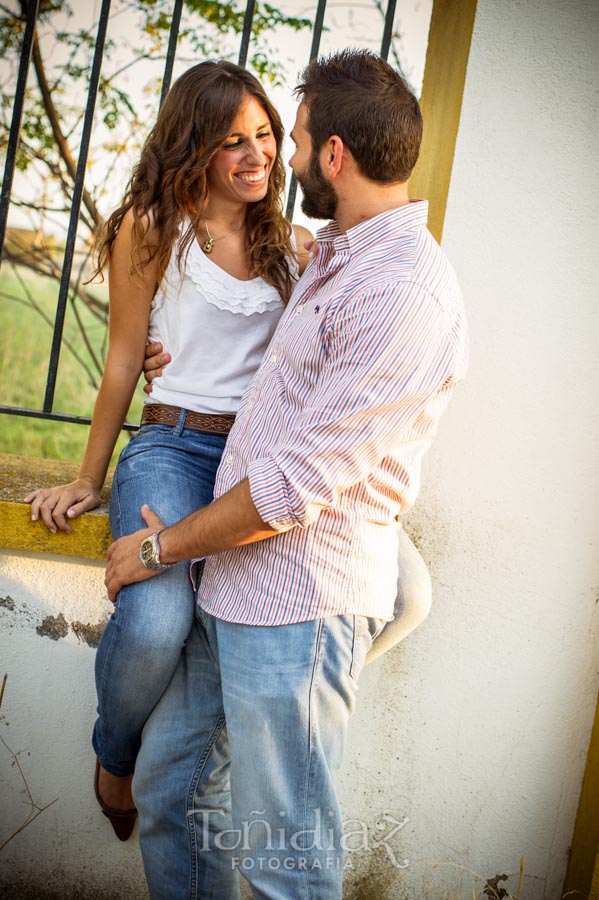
x,y
208,245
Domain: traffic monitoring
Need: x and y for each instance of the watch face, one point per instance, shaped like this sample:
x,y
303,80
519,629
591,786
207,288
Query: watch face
x,y
147,552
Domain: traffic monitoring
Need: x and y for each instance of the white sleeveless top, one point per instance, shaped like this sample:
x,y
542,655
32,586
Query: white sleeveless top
x,y
216,329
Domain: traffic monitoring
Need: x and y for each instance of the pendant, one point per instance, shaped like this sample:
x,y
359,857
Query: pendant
x,y
208,246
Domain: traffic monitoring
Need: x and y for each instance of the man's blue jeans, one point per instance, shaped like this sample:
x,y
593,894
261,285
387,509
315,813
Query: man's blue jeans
x,y
236,773
173,471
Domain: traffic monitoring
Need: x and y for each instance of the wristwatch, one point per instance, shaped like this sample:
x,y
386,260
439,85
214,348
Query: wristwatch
x,y
149,552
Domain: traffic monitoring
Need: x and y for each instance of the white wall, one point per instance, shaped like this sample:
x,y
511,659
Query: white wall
x,y
47,714
476,729
486,711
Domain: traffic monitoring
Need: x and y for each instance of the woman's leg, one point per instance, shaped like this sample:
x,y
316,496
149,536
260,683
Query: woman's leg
x,y
413,602
173,473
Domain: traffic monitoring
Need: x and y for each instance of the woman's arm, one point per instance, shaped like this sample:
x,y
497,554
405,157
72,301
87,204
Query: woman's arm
x,y
130,300
413,601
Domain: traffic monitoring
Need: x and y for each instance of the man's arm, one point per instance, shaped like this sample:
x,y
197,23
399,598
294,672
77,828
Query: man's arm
x,y
392,364
228,522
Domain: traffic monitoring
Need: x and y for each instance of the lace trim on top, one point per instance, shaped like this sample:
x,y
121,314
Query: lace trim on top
x,y
226,292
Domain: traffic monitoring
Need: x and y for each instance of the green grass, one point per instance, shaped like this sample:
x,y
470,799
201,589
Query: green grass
x,y
26,342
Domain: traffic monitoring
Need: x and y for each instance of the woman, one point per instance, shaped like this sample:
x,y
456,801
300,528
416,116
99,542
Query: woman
x,y
203,261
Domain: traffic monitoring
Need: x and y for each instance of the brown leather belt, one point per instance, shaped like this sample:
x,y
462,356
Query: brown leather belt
x,y
160,414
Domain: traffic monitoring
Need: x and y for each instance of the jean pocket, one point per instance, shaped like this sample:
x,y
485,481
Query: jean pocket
x,y
144,438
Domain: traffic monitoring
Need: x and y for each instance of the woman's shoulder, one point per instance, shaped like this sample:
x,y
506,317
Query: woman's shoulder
x,y
146,219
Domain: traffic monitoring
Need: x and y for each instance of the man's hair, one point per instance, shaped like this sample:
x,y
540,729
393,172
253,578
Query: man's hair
x,y
358,96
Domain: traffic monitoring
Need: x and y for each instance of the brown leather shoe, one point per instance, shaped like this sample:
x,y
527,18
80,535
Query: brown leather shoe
x,y
122,820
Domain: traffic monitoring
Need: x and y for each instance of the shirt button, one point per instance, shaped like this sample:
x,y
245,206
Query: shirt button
x,y
299,310
230,458
250,405
274,358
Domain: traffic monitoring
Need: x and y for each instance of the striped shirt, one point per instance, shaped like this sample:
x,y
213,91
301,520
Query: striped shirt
x,y
332,429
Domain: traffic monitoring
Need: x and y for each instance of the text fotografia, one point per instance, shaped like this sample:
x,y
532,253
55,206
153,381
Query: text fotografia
x,y
309,848
299,863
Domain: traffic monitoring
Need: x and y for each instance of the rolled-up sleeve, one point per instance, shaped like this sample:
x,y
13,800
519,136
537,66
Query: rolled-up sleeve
x,y
270,495
391,357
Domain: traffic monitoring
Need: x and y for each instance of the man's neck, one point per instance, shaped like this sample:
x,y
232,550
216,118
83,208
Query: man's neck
x,y
365,200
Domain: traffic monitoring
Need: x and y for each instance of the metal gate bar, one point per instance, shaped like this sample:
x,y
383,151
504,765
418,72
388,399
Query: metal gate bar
x,y
171,50
388,30
247,32
17,115
67,265
316,35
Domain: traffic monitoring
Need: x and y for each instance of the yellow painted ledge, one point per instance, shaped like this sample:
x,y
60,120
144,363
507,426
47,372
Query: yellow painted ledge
x,y
18,476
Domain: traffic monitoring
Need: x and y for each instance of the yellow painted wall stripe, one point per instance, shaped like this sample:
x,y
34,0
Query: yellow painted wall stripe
x,y
594,895
582,877
449,39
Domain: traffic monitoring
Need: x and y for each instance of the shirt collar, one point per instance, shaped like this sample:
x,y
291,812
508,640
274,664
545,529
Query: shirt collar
x,y
386,227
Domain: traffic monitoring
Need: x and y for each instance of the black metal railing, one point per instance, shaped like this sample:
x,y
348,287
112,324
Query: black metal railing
x,y
32,13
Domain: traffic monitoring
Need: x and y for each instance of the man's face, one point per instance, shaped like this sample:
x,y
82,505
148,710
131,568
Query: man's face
x,y
320,199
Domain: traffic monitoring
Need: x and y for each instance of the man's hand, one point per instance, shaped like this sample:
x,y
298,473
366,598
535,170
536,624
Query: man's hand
x,y
231,521
153,364
123,565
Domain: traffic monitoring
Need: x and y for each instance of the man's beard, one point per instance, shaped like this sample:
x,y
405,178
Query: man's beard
x,y
320,199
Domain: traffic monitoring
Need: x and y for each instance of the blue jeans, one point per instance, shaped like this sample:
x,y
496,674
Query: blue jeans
x,y
236,772
173,471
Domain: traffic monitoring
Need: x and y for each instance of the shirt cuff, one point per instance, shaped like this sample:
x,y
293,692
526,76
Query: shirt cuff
x,y
270,494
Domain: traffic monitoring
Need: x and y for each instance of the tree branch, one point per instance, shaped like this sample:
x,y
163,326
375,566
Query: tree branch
x,y
44,265
61,142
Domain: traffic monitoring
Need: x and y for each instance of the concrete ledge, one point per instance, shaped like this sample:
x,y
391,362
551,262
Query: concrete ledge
x,y
18,476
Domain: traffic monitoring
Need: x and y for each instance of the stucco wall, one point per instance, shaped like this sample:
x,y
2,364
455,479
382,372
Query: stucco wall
x,y
51,611
498,687
476,729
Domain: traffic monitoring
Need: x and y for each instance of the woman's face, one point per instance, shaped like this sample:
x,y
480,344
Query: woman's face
x,y
241,168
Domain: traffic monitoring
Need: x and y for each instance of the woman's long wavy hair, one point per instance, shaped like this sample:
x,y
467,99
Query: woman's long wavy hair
x,y
169,183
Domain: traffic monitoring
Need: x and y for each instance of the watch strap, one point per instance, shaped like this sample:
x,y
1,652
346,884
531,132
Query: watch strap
x,y
162,564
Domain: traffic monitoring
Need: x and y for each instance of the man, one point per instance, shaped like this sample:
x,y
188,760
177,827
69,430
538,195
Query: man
x,y
238,762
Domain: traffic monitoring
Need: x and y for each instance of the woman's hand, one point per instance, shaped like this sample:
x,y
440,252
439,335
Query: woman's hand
x,y
64,501
311,248
306,247
153,364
